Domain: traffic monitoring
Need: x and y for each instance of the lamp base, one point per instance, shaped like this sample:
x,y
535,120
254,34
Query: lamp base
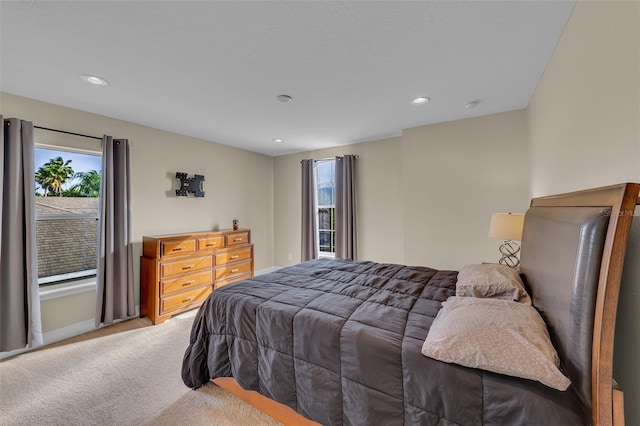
x,y
509,250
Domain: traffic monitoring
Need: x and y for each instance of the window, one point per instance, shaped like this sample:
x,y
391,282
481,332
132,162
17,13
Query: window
x,y
326,186
67,185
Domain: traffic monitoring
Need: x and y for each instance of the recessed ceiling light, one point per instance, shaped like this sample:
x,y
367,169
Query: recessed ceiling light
x,y
98,81
284,98
471,105
277,140
420,100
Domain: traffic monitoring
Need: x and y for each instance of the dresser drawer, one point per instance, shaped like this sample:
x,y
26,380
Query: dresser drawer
x,y
237,238
222,283
168,269
210,243
186,282
225,272
178,271
172,247
182,300
232,256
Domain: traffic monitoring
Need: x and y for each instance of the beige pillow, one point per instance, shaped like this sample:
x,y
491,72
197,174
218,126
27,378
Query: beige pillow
x,y
496,335
491,281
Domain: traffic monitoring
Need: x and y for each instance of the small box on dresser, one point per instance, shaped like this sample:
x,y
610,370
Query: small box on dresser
x,y
179,271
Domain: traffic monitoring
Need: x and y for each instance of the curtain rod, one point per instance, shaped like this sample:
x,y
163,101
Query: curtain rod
x,y
68,133
328,158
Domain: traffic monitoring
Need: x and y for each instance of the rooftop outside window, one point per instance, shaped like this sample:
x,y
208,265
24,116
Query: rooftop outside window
x,y
67,201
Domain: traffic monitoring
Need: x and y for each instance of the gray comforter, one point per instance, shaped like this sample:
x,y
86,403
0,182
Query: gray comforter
x,y
339,341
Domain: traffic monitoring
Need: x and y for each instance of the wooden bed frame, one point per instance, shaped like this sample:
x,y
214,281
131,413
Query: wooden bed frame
x,y
607,399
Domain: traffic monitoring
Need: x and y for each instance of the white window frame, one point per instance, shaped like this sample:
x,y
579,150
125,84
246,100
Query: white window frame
x,y
324,254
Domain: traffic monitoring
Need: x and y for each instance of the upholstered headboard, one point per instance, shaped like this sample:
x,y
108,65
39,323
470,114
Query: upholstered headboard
x,y
563,280
572,254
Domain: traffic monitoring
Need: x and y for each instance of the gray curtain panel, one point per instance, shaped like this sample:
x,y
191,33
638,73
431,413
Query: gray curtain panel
x,y
309,211
346,231
20,323
115,299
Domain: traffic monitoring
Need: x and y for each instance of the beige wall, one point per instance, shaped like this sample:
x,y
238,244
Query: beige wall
x,y
584,127
583,117
454,175
239,185
425,198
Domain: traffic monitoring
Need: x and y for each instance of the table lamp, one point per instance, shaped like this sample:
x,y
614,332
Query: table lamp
x,y
507,227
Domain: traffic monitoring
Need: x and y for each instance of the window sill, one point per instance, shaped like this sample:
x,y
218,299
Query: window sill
x,y
67,289
327,256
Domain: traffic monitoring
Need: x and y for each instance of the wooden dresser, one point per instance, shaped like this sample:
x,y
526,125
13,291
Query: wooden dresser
x,y
179,271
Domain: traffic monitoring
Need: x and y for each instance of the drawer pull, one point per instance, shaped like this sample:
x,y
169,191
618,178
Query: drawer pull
x,y
234,270
237,240
188,266
178,248
211,244
189,299
234,257
188,282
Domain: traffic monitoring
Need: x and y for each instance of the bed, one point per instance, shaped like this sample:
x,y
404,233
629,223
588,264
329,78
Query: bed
x,y
340,341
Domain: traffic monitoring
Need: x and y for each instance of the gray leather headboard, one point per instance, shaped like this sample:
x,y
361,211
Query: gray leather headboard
x,y
561,257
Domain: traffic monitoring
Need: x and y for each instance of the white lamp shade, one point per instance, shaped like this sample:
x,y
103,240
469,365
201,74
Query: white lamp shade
x,y
506,226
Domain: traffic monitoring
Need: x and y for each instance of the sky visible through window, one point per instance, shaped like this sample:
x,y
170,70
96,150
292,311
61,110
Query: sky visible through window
x,y
326,173
326,182
80,162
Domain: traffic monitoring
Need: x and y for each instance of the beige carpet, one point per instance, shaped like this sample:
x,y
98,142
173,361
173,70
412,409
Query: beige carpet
x,y
127,378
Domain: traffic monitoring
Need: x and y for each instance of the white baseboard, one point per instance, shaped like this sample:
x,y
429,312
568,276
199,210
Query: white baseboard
x,y
63,333
57,335
267,270
79,328
72,330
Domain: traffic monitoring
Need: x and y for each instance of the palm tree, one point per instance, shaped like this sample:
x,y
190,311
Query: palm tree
x,y
89,185
43,178
53,174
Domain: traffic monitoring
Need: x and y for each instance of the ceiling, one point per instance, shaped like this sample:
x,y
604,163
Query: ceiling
x,y
213,69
